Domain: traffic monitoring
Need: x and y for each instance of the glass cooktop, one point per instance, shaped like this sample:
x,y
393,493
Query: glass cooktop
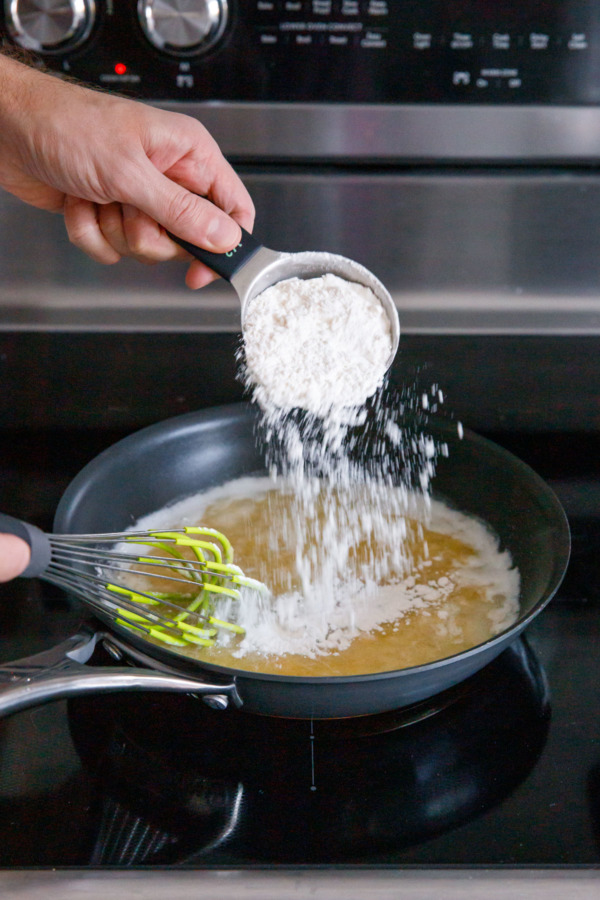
x,y
503,770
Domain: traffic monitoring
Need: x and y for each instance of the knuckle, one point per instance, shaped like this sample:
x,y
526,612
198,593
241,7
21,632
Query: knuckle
x,y
78,233
142,237
183,212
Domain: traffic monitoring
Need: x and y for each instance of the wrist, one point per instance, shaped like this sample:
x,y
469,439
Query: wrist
x,y
17,84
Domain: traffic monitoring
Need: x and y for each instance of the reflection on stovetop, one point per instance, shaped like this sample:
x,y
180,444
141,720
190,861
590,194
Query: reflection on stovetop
x,y
181,781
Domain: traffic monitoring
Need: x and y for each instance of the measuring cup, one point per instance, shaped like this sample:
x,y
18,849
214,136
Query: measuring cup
x,y
251,268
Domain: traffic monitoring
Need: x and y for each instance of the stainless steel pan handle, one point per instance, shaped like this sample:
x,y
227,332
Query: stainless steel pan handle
x,y
62,672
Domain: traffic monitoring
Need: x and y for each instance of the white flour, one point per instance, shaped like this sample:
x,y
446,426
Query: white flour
x,y
316,344
315,351
314,625
293,625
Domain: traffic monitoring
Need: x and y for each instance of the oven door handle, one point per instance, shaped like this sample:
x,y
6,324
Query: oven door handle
x,y
61,672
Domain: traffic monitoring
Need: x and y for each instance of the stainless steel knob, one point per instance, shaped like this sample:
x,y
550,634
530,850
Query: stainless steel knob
x,y
49,26
183,27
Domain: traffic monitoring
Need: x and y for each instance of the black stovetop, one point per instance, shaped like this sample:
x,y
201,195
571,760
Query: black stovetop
x,y
503,770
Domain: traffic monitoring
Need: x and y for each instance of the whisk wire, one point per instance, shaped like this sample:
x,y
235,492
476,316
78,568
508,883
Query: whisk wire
x,y
80,564
130,610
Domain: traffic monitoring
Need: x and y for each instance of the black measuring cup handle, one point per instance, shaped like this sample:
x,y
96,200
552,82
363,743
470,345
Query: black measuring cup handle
x,y
224,264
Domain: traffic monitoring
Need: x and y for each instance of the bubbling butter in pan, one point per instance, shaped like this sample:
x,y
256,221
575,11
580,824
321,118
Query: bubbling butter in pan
x,y
414,580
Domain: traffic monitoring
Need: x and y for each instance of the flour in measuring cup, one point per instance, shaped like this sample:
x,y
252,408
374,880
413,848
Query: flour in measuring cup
x,y
316,344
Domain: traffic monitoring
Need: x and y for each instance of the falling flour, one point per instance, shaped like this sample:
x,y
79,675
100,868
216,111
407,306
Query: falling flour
x,y
459,589
316,343
344,530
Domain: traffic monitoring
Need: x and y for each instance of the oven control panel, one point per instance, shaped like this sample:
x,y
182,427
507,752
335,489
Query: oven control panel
x,y
360,51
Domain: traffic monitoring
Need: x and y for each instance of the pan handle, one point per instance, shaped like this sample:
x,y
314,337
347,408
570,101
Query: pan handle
x,y
62,672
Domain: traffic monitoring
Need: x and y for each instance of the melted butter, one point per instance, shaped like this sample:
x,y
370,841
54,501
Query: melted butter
x,y
264,530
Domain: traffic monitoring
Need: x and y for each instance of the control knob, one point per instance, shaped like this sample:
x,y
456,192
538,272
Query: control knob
x,y
183,27
49,26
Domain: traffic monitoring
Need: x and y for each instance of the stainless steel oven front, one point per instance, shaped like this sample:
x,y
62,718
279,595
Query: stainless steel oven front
x,y
373,80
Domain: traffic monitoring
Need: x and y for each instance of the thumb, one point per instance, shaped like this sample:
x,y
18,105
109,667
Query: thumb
x,y
14,556
187,215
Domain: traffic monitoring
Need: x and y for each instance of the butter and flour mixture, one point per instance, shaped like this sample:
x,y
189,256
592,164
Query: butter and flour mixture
x,y
419,581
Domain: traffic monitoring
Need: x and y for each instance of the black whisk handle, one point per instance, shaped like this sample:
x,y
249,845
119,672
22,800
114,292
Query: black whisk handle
x,y
41,551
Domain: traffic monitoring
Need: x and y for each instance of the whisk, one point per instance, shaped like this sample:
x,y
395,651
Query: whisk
x,y
97,567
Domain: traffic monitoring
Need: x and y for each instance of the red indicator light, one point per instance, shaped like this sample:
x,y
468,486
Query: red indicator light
x,y
120,68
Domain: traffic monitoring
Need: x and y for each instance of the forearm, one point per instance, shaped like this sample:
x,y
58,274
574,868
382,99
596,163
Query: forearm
x,y
29,102
23,91
17,92
11,71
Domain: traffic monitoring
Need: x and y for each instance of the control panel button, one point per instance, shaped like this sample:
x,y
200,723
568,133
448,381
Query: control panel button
x,y
377,8
578,41
183,27
461,77
501,41
539,40
422,40
461,41
374,40
49,26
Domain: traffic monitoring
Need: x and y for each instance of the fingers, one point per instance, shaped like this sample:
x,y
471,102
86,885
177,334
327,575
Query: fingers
x,y
216,180
83,227
188,215
136,234
199,221
199,275
14,556
133,233
110,223
180,147
145,239
179,183
111,231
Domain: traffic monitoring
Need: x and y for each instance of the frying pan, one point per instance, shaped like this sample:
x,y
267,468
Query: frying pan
x,y
182,456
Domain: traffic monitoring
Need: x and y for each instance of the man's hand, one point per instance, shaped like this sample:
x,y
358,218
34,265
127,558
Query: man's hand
x,y
120,172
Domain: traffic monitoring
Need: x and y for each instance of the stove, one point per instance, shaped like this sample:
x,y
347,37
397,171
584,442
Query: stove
x,y
499,773
459,164
239,789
